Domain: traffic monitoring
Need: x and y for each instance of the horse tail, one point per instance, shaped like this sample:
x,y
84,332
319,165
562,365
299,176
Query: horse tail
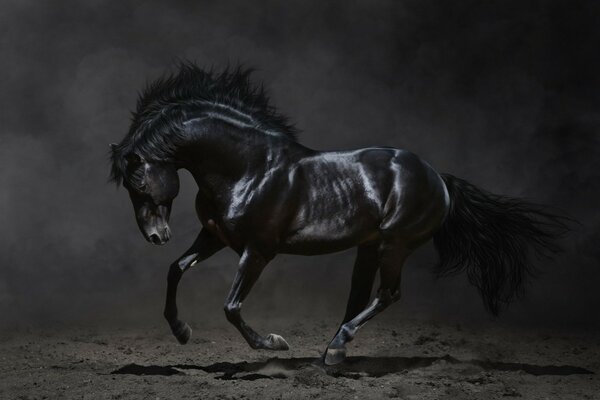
x,y
493,237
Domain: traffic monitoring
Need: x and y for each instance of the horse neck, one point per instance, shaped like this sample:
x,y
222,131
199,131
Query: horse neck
x,y
219,154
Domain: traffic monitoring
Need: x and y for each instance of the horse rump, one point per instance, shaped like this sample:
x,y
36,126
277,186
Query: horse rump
x,y
493,239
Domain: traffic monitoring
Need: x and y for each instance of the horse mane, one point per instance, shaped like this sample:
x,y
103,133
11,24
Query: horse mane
x,y
156,128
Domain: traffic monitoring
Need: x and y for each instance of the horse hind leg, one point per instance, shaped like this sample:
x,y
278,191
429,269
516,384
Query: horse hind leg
x,y
363,275
390,257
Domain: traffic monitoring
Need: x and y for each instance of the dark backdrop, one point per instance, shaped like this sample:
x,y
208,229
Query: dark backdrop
x,y
502,93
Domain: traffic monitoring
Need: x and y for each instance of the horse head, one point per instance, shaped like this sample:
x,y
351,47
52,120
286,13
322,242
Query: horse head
x,y
152,186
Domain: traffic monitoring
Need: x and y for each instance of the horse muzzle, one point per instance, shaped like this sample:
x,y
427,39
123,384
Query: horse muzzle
x,y
158,236
153,223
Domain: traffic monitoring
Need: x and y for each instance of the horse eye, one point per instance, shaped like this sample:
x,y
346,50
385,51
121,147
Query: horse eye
x,y
143,187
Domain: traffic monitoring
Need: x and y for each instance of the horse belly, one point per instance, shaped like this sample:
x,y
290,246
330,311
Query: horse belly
x,y
330,235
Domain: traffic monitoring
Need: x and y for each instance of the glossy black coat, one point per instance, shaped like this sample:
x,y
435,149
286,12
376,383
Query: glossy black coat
x,y
262,194
282,197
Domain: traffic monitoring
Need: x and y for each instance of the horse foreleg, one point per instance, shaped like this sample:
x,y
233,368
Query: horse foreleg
x,y
250,268
390,258
204,246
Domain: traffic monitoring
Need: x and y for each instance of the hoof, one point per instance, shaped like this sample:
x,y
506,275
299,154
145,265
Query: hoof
x,y
334,356
183,332
276,342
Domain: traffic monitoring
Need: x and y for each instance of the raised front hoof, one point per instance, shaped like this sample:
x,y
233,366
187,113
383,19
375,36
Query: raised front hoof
x,y
182,332
334,356
275,342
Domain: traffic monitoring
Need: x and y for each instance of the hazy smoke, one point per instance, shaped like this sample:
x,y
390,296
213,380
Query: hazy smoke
x,y
504,94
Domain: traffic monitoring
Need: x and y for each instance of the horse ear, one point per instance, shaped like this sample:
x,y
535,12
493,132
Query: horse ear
x,y
113,146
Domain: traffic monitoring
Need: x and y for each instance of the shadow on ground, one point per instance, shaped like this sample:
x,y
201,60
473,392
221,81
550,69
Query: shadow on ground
x,y
353,367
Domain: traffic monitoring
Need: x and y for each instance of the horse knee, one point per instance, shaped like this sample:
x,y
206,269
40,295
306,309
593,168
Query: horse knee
x,y
178,267
232,312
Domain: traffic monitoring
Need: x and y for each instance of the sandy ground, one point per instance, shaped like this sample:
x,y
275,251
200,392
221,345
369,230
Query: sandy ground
x,y
405,360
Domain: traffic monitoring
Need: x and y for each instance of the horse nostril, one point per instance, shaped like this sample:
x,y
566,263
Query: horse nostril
x,y
154,238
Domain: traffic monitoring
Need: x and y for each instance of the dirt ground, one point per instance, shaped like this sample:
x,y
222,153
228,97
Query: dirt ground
x,y
407,359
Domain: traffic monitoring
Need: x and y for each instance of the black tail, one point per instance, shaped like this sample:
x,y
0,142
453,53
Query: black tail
x,y
493,237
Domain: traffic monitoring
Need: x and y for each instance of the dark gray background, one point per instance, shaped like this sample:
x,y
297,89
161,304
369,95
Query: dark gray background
x,y
504,94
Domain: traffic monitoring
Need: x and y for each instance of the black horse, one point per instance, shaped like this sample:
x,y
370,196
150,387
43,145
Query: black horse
x,y
263,193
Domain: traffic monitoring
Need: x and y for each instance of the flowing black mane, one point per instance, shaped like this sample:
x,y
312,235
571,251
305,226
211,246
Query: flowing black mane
x,y
156,127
